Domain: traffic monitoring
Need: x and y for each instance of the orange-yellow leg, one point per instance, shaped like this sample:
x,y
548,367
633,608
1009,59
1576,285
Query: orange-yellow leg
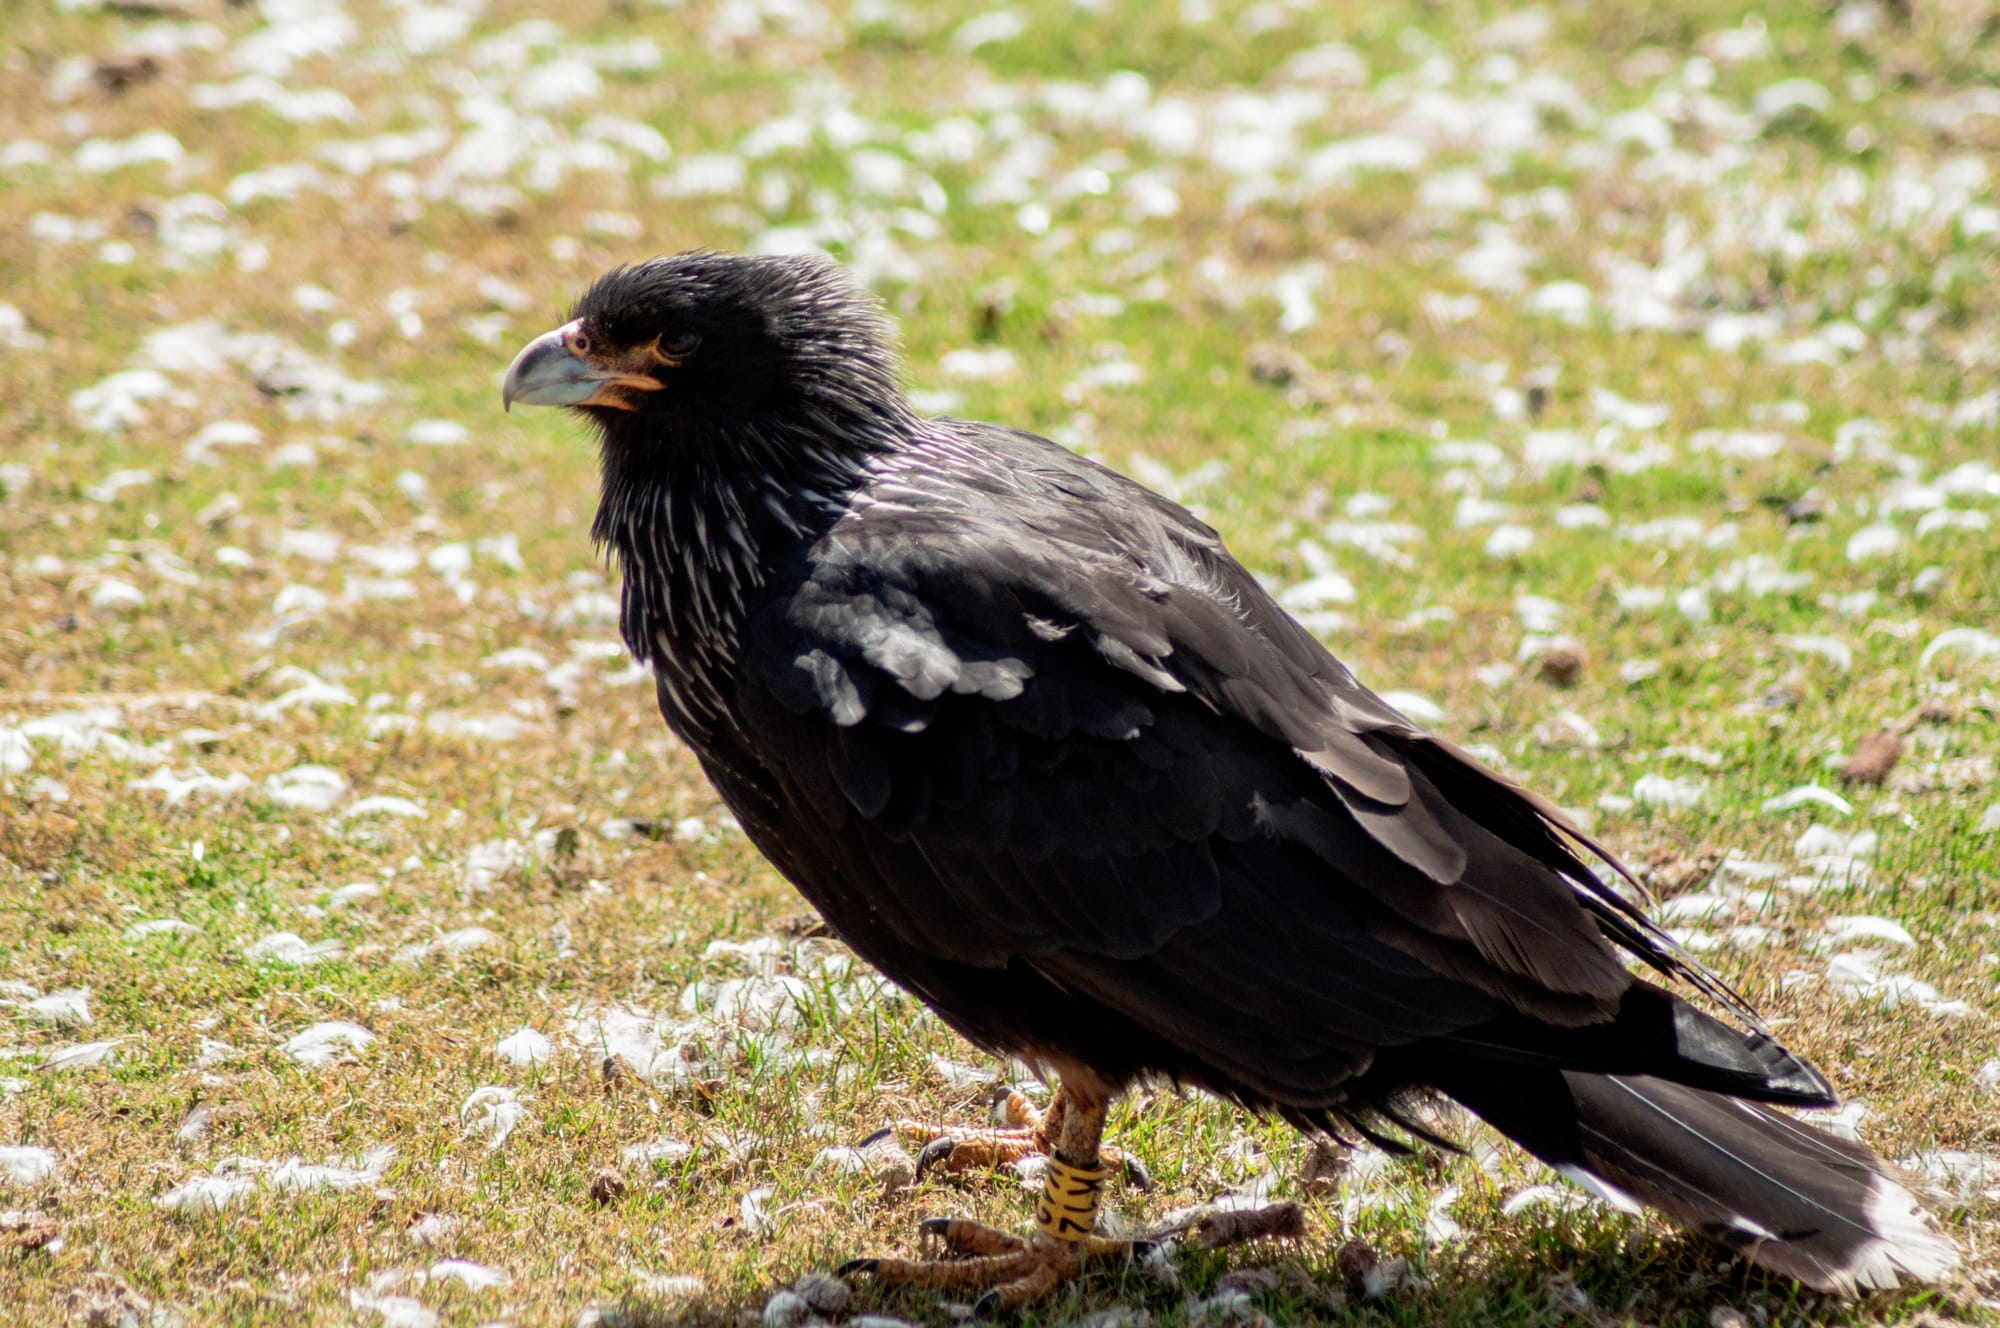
x,y
1018,1269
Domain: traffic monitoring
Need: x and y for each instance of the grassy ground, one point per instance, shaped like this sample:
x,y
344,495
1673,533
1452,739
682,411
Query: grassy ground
x,y
1617,379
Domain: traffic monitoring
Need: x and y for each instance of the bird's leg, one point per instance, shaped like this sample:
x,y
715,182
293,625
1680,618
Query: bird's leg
x,y
1073,1187
1018,1269
1020,1130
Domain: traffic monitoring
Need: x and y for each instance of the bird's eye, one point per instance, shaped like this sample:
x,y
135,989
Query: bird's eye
x,y
680,346
579,342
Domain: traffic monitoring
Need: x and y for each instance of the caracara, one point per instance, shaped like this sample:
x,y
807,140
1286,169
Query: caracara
x,y
1042,752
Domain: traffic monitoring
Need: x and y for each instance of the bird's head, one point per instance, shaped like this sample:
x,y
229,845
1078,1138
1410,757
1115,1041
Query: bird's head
x,y
703,344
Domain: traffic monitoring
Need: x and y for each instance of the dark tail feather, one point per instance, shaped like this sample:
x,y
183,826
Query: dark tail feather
x,y
1656,1033
1825,1211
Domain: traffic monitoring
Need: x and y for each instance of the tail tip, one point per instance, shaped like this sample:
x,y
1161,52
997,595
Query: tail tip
x,y
1901,1245
1905,1244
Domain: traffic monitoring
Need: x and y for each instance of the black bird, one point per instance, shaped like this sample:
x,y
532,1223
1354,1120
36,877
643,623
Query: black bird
x,y
1042,752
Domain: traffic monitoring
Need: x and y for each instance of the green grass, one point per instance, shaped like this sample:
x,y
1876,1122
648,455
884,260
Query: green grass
x,y
1882,187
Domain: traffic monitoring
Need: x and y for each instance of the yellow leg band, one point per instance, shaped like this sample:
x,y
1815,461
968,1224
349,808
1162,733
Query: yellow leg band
x,y
1070,1199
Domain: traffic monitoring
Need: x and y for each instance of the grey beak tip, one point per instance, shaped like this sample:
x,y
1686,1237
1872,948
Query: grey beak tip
x,y
545,373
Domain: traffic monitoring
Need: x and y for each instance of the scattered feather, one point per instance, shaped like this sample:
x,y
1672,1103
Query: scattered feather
x,y
81,1055
1868,927
113,596
1665,791
139,931
473,1276
1971,641
524,1047
1419,708
1877,541
1959,1173
1822,841
993,362
26,1164
437,433
313,788
285,948
396,1311
323,1042
1835,652
491,1113
1561,1198
1805,795
383,805
295,1174
69,1007
176,789
206,1194
659,1150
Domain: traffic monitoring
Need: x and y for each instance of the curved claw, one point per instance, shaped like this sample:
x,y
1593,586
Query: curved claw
x,y
934,1153
1136,1174
1005,1270
887,1131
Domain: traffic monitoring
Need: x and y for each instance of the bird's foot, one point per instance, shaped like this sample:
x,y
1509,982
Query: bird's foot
x,y
1015,1270
1021,1130
1012,1270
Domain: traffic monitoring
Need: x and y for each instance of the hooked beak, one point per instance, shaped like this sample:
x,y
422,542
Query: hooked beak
x,y
549,371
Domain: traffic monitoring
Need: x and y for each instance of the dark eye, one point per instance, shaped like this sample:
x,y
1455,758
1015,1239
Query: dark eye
x,y
681,345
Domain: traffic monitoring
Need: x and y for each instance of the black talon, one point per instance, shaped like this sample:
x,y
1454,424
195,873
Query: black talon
x,y
1136,1174
853,1266
877,1137
936,1151
934,1226
985,1305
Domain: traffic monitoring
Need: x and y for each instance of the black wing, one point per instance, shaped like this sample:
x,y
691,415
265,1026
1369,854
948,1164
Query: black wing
x,y
1018,711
